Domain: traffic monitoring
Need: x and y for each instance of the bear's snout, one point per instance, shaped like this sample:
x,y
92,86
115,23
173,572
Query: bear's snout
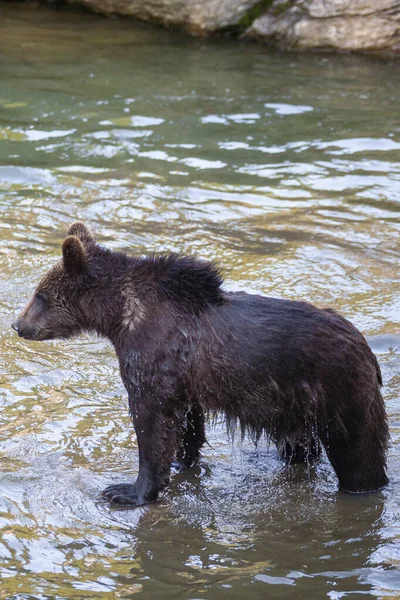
x,y
24,330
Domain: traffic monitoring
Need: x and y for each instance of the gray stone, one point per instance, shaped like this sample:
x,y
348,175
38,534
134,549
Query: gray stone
x,y
198,16
356,25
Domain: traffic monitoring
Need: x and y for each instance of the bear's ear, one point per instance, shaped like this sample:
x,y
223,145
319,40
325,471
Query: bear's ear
x,y
80,230
74,255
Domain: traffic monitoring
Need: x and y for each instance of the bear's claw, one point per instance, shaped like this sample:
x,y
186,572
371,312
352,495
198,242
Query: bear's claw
x,y
123,494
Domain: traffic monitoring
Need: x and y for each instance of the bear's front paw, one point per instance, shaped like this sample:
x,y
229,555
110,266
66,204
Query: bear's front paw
x,y
124,494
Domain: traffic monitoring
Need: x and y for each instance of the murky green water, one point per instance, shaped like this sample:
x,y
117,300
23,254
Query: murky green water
x,y
286,170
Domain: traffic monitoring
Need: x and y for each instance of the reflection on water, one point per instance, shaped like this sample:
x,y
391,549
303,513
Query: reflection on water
x,y
286,170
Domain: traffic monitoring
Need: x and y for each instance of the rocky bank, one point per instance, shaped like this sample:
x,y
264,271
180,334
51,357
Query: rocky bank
x,y
351,25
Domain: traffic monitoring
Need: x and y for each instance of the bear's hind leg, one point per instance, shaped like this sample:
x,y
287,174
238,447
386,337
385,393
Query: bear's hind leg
x,y
357,442
359,467
193,437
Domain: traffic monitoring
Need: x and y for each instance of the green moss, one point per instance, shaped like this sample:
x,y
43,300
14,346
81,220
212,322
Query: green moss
x,y
254,13
281,8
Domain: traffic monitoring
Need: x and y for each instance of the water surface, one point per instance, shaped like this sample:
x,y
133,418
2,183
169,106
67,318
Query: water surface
x,y
285,170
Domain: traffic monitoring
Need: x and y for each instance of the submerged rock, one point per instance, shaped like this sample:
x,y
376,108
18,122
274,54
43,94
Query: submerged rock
x,y
197,16
356,25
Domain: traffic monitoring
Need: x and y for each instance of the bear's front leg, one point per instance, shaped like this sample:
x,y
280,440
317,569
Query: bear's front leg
x,y
158,434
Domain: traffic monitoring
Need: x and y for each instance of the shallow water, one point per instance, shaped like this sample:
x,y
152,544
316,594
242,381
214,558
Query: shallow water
x,y
284,169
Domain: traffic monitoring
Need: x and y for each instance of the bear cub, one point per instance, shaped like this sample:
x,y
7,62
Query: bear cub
x,y
305,377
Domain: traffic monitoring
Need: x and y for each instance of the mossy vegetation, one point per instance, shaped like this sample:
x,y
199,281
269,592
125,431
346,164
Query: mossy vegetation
x,y
282,7
254,13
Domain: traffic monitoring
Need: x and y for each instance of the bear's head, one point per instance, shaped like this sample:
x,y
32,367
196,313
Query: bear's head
x,y
55,308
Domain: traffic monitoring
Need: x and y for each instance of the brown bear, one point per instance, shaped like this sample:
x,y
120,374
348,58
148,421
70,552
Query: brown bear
x,y
300,375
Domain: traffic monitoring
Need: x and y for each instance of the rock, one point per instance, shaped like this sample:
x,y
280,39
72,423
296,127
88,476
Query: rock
x,y
356,25
197,16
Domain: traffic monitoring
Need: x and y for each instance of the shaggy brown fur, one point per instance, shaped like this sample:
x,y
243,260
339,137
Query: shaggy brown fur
x,y
301,375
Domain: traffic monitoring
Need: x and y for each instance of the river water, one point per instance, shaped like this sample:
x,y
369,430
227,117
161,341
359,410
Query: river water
x,y
286,170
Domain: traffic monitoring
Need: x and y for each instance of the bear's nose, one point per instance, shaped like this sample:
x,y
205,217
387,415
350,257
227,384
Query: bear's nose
x,y
15,326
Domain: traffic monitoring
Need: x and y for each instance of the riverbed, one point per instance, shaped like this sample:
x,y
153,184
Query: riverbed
x,y
283,169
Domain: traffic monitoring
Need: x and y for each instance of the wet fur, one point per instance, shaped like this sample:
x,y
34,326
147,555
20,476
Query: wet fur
x,y
302,376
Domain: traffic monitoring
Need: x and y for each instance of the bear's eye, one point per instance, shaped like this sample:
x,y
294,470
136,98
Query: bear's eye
x,y
41,298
